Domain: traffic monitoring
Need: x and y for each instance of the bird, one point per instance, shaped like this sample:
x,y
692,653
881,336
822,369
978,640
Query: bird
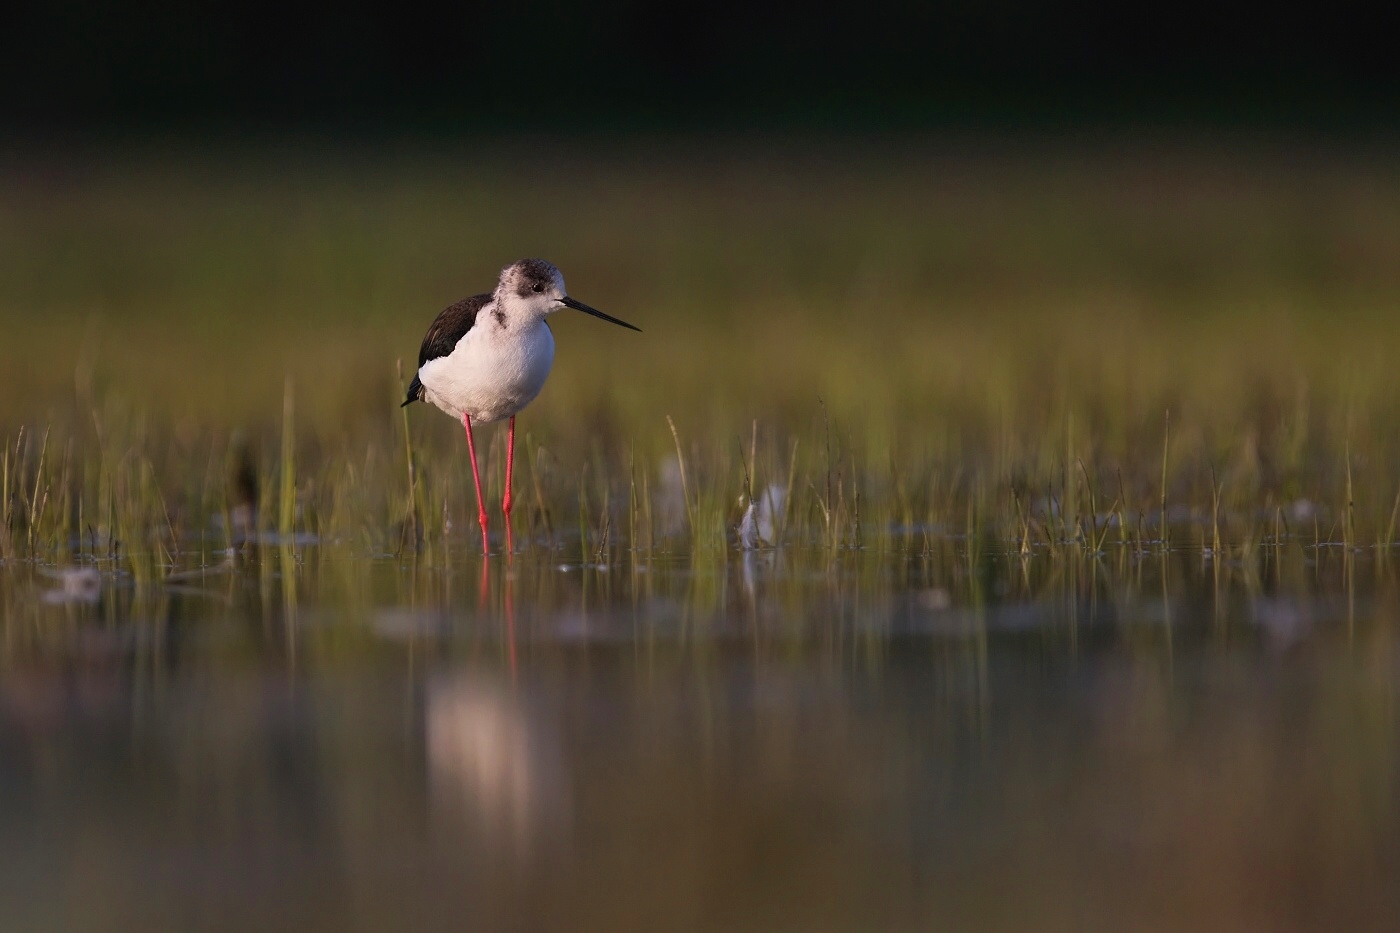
x,y
486,357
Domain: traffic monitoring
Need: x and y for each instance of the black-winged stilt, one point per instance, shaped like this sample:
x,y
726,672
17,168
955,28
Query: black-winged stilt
x,y
486,357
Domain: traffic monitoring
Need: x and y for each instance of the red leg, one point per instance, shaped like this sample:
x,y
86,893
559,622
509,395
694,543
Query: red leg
x,y
476,478
483,589
506,500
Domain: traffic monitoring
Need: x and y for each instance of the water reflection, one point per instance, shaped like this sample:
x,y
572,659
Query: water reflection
x,y
492,772
769,740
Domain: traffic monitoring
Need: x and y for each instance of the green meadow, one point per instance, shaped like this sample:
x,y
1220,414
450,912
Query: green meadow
x,y
1033,338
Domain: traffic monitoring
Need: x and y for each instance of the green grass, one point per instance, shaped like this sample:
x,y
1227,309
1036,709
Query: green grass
x,y
924,344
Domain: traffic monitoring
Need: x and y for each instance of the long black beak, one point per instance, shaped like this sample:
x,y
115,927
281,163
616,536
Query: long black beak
x,y
580,306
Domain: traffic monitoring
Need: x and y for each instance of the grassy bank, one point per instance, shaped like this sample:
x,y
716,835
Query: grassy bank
x,y
1032,345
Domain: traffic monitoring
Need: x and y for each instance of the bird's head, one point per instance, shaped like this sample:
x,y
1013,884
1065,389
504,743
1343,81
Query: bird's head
x,y
535,288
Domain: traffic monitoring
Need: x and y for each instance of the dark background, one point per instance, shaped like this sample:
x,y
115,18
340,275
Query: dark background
x,y
88,65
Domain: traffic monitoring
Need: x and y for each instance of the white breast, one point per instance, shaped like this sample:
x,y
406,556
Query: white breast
x,y
494,371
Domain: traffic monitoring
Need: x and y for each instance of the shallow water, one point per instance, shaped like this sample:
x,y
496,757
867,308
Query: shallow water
x,y
774,740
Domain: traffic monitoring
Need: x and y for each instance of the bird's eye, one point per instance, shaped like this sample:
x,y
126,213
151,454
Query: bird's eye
x,y
537,287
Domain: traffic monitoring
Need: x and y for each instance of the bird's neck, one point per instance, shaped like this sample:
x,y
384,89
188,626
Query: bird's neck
x,y
513,316
514,312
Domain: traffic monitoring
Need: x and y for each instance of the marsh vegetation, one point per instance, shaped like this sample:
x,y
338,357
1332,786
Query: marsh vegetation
x,y
966,515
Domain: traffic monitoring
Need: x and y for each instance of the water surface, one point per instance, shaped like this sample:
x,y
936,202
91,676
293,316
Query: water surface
x,y
799,740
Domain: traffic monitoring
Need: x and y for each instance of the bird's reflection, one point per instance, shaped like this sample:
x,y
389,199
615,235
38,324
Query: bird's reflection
x,y
493,770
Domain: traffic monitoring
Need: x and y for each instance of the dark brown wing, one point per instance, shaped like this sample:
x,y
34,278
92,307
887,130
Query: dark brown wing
x,y
450,326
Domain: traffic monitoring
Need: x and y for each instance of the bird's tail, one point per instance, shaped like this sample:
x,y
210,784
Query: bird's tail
x,y
415,391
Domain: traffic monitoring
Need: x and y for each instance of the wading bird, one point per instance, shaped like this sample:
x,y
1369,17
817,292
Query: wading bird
x,y
486,357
